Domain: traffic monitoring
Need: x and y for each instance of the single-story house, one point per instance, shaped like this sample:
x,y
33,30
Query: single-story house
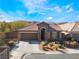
x,y
45,31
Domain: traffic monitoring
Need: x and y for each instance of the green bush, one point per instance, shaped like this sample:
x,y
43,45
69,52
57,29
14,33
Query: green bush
x,y
2,42
73,39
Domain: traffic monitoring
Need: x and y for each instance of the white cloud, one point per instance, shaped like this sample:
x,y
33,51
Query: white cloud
x,y
67,6
57,8
49,19
33,5
5,17
8,17
68,17
70,10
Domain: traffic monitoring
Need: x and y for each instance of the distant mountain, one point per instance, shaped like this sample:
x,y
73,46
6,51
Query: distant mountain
x,y
11,26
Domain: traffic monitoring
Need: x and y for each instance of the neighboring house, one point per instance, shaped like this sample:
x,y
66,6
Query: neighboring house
x,y
72,29
75,31
45,31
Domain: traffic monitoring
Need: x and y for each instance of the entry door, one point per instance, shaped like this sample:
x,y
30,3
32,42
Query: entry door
x,y
43,34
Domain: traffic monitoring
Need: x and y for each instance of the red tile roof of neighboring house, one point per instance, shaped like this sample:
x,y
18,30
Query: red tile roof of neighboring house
x,y
70,27
75,27
67,26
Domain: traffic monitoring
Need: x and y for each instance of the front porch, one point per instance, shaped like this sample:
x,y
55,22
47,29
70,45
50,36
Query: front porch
x,y
46,33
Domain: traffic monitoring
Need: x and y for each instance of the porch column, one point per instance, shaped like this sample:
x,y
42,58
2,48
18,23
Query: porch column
x,y
39,35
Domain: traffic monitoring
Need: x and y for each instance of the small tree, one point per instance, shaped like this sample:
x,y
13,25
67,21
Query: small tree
x,y
3,26
2,42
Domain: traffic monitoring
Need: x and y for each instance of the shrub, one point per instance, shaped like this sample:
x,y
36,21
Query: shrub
x,y
2,35
11,43
2,43
73,44
42,44
73,39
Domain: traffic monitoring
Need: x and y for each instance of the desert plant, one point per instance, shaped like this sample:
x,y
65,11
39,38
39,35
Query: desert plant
x,y
42,44
46,48
73,44
51,46
73,39
2,35
62,47
11,43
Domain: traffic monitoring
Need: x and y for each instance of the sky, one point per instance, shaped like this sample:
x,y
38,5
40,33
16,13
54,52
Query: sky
x,y
39,10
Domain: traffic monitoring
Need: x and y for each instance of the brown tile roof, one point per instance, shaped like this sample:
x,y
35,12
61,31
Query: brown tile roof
x,y
31,27
65,27
55,26
35,27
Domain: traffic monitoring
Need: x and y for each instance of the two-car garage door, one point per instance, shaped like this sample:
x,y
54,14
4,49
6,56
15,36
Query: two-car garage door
x,y
26,36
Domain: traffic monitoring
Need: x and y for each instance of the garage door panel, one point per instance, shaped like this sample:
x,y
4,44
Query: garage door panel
x,y
29,35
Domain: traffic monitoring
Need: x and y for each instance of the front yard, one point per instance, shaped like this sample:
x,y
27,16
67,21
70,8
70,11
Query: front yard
x,y
26,48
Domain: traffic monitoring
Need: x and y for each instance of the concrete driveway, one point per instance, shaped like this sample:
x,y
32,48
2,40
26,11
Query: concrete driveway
x,y
20,49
